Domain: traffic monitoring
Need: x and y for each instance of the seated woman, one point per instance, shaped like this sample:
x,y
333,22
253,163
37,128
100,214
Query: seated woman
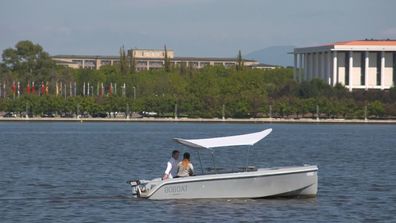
x,y
185,168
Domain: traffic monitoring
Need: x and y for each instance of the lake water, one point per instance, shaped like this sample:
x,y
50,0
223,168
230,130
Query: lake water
x,y
77,172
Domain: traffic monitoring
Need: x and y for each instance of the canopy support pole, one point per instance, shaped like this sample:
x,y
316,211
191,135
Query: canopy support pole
x,y
247,160
200,162
214,163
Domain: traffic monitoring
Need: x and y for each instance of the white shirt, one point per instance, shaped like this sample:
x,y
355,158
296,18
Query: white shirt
x,y
171,167
184,172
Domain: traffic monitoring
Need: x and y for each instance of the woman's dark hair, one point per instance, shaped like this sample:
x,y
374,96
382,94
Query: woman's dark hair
x,y
186,156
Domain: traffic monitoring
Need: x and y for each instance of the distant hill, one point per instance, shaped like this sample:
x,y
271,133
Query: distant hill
x,y
275,55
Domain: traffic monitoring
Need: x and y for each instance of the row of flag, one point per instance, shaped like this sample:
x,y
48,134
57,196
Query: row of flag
x,y
89,89
61,89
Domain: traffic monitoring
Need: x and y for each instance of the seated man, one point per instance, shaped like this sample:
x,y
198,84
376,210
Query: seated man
x,y
185,168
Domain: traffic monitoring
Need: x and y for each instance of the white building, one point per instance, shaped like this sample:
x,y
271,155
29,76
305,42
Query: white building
x,y
148,59
361,64
151,53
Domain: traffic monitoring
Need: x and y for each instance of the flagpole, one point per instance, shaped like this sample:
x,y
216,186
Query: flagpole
x,y
13,87
19,88
56,88
4,89
75,88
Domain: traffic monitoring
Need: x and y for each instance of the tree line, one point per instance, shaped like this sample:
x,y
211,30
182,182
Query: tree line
x,y
241,91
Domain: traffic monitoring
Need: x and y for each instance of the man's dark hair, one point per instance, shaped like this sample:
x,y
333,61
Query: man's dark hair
x,y
186,156
174,152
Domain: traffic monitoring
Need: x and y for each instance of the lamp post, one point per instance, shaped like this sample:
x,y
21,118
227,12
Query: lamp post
x,y
223,112
127,111
175,111
78,111
27,110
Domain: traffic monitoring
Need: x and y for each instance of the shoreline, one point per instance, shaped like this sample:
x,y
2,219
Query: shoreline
x,y
204,120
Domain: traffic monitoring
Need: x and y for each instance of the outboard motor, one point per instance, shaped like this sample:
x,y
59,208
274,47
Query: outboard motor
x,y
135,187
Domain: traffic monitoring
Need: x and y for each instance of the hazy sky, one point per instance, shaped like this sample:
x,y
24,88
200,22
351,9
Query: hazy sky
x,y
191,27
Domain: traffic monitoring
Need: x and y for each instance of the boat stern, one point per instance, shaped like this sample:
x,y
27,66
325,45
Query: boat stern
x,y
142,188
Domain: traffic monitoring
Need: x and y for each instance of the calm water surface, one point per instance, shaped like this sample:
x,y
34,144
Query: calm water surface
x,y
73,172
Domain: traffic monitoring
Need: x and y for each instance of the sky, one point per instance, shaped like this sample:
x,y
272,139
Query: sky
x,y
191,27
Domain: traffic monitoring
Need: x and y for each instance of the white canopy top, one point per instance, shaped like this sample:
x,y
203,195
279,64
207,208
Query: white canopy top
x,y
238,140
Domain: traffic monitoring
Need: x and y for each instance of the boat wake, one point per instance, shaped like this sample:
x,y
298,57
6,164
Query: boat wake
x,y
71,198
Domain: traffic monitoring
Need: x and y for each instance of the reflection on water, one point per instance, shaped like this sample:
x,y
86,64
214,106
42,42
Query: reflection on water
x,y
78,172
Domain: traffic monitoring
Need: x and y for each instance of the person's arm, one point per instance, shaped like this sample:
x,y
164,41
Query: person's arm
x,y
167,171
191,170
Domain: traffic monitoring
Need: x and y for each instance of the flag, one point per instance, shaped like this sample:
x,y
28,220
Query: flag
x,y
32,88
84,89
56,88
88,89
124,90
115,88
42,88
46,88
28,88
13,88
111,89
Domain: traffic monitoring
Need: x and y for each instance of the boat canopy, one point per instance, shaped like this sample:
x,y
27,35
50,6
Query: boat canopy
x,y
238,140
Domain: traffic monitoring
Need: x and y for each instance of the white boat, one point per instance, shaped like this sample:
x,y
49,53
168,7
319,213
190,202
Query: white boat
x,y
248,182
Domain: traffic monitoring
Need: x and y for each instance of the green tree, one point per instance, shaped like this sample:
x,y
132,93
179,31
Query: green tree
x,y
123,61
376,108
166,60
132,62
28,60
240,64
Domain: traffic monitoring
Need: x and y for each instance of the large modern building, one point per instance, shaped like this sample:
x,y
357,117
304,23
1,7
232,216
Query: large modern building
x,y
148,59
362,64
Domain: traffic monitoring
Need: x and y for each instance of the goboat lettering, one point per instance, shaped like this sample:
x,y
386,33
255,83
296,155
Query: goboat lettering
x,y
176,189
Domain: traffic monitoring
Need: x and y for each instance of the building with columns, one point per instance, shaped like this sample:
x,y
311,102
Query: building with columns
x,y
360,64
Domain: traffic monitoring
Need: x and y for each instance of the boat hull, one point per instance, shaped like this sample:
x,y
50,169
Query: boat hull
x,y
286,181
